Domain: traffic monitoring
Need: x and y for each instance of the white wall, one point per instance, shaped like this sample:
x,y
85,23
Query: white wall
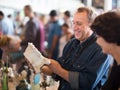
x,y
42,6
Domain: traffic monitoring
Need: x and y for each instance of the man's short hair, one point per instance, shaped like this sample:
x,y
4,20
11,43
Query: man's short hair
x,y
91,14
53,13
28,7
67,13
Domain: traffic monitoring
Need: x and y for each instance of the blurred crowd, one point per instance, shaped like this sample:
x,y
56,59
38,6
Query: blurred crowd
x,y
49,35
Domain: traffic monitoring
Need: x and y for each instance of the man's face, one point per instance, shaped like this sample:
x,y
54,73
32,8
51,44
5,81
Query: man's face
x,y
26,11
81,25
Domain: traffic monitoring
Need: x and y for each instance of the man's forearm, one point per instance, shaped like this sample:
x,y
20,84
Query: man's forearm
x,y
63,73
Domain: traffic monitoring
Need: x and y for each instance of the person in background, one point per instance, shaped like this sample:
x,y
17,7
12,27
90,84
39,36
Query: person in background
x,y
18,24
42,33
32,29
10,17
66,36
4,43
67,19
82,65
6,25
54,33
108,37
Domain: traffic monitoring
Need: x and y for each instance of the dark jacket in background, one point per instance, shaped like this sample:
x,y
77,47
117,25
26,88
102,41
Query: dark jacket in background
x,y
32,33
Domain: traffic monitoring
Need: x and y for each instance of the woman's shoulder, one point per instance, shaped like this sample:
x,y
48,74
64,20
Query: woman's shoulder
x,y
113,82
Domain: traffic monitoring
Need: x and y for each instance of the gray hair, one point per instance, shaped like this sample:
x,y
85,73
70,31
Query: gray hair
x,y
90,12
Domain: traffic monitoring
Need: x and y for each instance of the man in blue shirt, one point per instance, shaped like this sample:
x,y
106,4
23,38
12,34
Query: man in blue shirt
x,y
6,26
54,33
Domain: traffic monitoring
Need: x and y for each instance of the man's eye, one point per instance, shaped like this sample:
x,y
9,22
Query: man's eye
x,y
77,23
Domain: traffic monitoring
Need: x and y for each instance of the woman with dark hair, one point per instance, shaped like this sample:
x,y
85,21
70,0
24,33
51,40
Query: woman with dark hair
x,y
107,27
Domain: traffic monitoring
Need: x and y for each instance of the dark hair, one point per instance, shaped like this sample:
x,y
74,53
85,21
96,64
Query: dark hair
x,y
107,26
1,13
9,16
91,14
67,13
28,7
4,40
53,13
65,25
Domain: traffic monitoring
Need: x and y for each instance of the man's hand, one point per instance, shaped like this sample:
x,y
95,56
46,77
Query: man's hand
x,y
56,68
